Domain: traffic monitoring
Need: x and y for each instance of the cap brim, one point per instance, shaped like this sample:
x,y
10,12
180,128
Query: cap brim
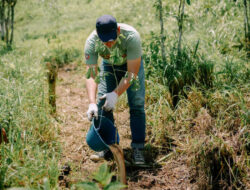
x,y
108,36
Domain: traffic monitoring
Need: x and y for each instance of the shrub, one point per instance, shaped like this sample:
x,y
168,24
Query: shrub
x,y
183,68
186,68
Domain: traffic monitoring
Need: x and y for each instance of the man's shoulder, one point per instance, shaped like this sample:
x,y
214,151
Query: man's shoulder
x,y
129,32
91,41
127,28
92,37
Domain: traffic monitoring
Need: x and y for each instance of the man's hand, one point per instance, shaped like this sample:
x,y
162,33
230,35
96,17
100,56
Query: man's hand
x,y
111,99
92,111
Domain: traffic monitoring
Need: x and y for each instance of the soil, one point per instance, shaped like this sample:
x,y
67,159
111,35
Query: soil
x,y
72,105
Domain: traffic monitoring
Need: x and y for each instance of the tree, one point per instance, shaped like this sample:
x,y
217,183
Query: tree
x,y
158,6
7,13
247,26
180,22
2,19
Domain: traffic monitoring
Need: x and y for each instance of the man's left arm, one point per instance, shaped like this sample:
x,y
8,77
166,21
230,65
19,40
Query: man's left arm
x,y
133,67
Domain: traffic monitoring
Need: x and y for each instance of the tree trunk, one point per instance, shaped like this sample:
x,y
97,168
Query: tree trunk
x,y
247,27
180,23
12,22
163,54
2,19
7,22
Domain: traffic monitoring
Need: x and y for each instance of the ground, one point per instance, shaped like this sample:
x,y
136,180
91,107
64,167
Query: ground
x,y
72,104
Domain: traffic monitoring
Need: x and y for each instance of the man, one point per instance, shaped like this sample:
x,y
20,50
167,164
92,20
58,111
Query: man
x,y
120,47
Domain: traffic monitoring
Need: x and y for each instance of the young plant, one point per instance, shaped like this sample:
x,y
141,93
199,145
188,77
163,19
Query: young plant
x,y
116,58
102,180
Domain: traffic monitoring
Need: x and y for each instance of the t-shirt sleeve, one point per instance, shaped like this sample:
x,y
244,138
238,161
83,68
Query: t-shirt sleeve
x,y
134,49
91,55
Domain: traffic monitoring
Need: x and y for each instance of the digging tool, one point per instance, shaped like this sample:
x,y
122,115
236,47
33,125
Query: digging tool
x,y
119,158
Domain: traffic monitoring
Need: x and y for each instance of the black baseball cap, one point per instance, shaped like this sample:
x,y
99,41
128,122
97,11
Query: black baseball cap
x,y
106,27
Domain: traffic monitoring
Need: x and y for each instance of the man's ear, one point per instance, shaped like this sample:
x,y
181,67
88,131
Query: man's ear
x,y
118,30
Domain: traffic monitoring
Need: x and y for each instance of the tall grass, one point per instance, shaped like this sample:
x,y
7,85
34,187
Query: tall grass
x,y
212,89
31,153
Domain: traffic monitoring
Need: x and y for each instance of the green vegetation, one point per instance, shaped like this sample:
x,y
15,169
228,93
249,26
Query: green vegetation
x,y
103,180
209,122
62,57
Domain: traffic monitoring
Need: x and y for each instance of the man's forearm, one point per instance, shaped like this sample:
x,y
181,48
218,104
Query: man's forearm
x,y
123,85
91,87
133,69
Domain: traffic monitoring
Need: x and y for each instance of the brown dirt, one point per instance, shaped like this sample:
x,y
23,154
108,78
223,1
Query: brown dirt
x,y
72,104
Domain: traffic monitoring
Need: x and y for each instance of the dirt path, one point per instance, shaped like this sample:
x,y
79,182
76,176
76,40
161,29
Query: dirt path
x,y
72,104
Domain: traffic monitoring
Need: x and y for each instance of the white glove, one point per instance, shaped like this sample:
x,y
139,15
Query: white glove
x,y
92,111
111,99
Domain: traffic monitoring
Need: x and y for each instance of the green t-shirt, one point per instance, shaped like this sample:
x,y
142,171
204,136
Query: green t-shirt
x,y
127,47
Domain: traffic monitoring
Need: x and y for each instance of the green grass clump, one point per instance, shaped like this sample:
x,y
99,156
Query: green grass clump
x,y
183,68
61,56
32,152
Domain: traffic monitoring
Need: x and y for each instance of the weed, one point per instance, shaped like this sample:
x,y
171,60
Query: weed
x,y
102,180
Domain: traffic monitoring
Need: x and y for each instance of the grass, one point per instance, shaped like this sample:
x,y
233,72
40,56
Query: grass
x,y
30,156
217,116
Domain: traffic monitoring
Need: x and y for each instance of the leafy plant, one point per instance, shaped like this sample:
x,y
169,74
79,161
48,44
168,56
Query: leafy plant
x,y
102,180
115,56
115,52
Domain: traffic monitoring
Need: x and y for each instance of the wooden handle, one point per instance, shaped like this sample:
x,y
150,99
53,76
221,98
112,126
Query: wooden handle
x,y
119,158
52,76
